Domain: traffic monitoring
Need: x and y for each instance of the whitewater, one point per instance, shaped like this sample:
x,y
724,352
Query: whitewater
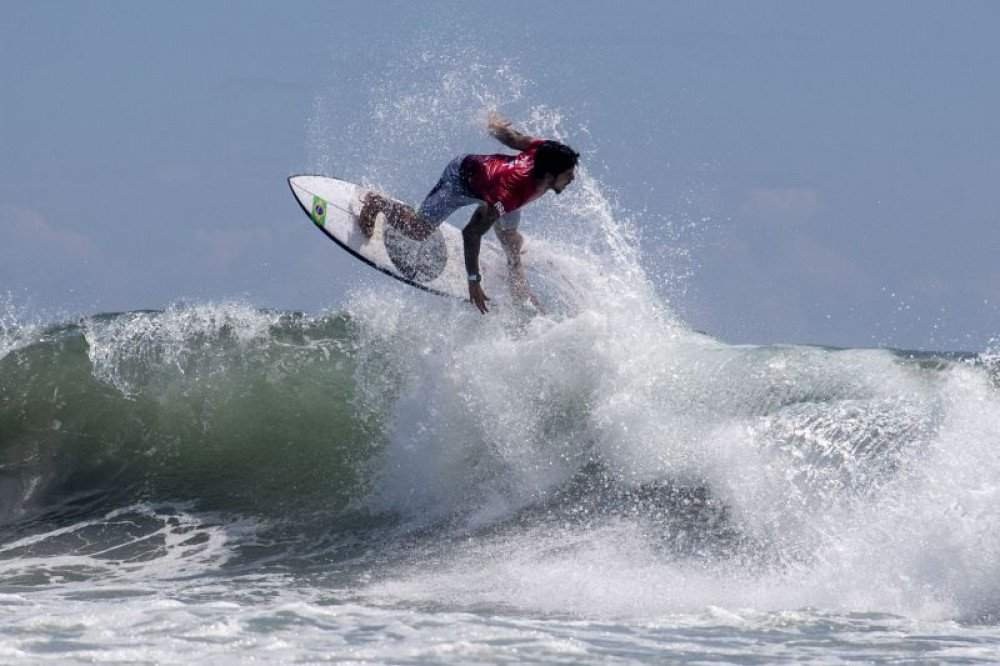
x,y
401,480
406,481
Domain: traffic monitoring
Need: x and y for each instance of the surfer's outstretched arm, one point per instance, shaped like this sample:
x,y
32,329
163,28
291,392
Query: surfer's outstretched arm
x,y
472,238
501,130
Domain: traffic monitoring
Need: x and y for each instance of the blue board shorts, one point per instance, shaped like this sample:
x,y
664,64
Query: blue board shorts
x,y
452,193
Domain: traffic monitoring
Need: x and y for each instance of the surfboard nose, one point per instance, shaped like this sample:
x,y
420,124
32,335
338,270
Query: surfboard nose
x,y
299,189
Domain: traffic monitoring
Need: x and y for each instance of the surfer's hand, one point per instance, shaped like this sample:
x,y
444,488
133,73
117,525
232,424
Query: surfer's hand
x,y
497,122
478,297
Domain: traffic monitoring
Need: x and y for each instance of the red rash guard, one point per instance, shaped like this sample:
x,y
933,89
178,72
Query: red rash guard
x,y
503,181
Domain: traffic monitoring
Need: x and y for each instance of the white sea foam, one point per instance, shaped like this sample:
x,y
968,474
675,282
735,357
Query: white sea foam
x,y
124,348
140,543
17,329
855,479
863,481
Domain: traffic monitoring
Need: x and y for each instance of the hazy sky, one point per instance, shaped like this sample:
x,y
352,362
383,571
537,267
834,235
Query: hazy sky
x,y
832,168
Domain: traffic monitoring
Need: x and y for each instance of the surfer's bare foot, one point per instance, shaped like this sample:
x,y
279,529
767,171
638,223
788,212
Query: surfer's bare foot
x,y
370,208
397,215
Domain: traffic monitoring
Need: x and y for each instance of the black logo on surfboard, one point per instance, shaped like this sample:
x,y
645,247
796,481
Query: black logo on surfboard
x,y
420,261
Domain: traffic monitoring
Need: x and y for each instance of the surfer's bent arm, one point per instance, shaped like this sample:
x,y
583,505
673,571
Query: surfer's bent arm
x,y
501,130
472,236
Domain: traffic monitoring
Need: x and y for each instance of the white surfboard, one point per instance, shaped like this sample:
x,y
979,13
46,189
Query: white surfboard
x,y
436,265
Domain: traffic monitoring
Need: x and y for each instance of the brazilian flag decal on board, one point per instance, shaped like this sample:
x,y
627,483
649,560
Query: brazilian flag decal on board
x,y
318,211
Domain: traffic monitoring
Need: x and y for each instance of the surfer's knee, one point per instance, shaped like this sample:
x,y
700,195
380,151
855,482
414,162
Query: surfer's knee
x,y
487,213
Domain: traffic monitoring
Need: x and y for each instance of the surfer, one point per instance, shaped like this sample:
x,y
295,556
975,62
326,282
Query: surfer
x,y
499,186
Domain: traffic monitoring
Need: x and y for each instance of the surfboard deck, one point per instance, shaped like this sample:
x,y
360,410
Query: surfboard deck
x,y
436,265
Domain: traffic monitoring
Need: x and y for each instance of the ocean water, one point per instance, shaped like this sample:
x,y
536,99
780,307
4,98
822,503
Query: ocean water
x,y
401,480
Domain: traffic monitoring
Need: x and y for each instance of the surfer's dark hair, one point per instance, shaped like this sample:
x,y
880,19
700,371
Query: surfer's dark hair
x,y
553,158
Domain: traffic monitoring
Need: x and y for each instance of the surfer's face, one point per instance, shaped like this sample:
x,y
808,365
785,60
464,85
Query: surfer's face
x,y
563,179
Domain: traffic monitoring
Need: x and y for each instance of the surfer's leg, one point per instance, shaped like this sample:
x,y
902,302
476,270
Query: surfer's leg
x,y
509,222
397,214
447,196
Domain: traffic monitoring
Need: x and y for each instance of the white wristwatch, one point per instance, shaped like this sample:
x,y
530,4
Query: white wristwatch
x,y
475,277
